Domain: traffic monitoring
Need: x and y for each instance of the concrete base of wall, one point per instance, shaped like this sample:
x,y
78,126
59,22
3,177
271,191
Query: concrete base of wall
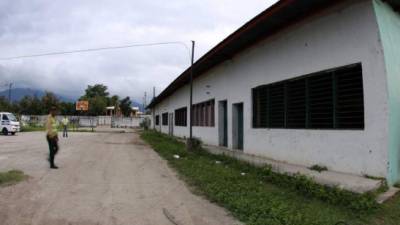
x,y
354,183
387,195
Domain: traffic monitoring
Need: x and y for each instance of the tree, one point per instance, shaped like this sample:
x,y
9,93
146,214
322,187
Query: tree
x,y
4,104
29,105
97,106
114,101
49,100
97,90
125,106
67,108
97,96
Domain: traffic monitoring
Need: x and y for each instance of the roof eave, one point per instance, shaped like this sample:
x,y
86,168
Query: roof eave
x,y
282,14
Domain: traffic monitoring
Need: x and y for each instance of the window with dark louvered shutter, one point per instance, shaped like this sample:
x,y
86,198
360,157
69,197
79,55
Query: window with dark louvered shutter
x,y
180,117
296,103
321,101
349,98
203,114
331,99
276,106
165,119
260,100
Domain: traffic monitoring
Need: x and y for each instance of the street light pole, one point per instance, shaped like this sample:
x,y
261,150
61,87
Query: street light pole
x,y
191,97
9,92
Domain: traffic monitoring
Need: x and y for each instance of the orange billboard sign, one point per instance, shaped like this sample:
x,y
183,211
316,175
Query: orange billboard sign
x,y
82,105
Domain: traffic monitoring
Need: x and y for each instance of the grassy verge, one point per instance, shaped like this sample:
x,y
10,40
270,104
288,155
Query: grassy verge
x,y
257,196
81,130
29,128
11,177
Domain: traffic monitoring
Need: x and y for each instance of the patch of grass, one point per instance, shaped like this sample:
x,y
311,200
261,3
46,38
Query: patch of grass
x,y
318,168
374,178
387,214
81,130
261,197
11,177
31,128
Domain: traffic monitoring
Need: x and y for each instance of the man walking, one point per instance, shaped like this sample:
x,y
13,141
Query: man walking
x,y
65,123
52,136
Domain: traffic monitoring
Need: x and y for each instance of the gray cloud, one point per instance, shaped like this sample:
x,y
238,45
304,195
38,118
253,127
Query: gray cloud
x,y
38,26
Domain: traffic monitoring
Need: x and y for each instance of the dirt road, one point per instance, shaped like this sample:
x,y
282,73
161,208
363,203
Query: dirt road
x,y
104,178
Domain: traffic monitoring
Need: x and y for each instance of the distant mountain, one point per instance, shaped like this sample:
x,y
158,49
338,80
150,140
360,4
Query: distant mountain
x,y
137,104
18,93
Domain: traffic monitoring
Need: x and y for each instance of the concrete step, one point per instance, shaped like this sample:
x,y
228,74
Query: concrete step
x,y
387,195
350,182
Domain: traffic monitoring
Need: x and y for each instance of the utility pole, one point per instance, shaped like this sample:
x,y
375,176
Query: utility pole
x,y
145,99
143,103
190,141
9,92
153,110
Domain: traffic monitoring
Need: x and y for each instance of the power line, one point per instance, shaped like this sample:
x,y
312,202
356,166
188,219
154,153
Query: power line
x,y
94,49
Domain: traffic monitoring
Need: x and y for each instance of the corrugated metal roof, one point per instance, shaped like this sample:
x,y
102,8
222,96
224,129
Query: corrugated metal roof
x,y
279,16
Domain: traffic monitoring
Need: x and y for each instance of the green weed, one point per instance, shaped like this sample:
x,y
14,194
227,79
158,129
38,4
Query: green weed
x,y
11,177
259,196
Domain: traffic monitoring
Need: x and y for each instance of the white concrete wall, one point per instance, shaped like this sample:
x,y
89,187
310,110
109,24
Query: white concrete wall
x,y
338,37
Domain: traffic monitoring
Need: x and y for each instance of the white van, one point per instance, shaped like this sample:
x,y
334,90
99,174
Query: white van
x,y
8,123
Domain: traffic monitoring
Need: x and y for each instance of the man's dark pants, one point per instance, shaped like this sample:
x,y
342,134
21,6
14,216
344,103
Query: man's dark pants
x,y
53,149
65,131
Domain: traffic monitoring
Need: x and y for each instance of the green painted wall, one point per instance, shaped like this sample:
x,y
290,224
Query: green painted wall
x,y
389,28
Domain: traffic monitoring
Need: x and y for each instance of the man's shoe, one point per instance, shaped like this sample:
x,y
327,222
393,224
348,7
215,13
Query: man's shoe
x,y
53,167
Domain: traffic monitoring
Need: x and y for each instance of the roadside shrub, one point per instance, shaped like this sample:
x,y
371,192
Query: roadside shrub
x,y
145,124
194,144
318,168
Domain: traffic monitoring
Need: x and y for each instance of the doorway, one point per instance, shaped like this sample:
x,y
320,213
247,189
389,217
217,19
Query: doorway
x,y
223,123
237,126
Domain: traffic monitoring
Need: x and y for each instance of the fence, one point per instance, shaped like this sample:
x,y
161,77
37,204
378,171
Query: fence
x,y
104,120
87,121
126,122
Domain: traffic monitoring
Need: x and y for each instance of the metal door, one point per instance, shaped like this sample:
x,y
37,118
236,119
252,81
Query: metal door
x,y
223,123
237,126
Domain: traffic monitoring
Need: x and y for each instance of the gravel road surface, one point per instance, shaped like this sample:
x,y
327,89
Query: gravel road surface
x,y
104,178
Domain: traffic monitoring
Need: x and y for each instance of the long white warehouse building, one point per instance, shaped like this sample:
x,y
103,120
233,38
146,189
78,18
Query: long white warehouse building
x,y
308,82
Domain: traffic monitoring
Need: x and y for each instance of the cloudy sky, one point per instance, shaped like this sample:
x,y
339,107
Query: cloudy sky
x,y
40,26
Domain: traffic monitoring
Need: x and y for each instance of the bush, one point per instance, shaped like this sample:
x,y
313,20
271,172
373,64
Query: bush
x,y
318,168
145,124
194,144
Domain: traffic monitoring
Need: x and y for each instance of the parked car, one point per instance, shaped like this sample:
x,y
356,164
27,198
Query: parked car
x,y
8,123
